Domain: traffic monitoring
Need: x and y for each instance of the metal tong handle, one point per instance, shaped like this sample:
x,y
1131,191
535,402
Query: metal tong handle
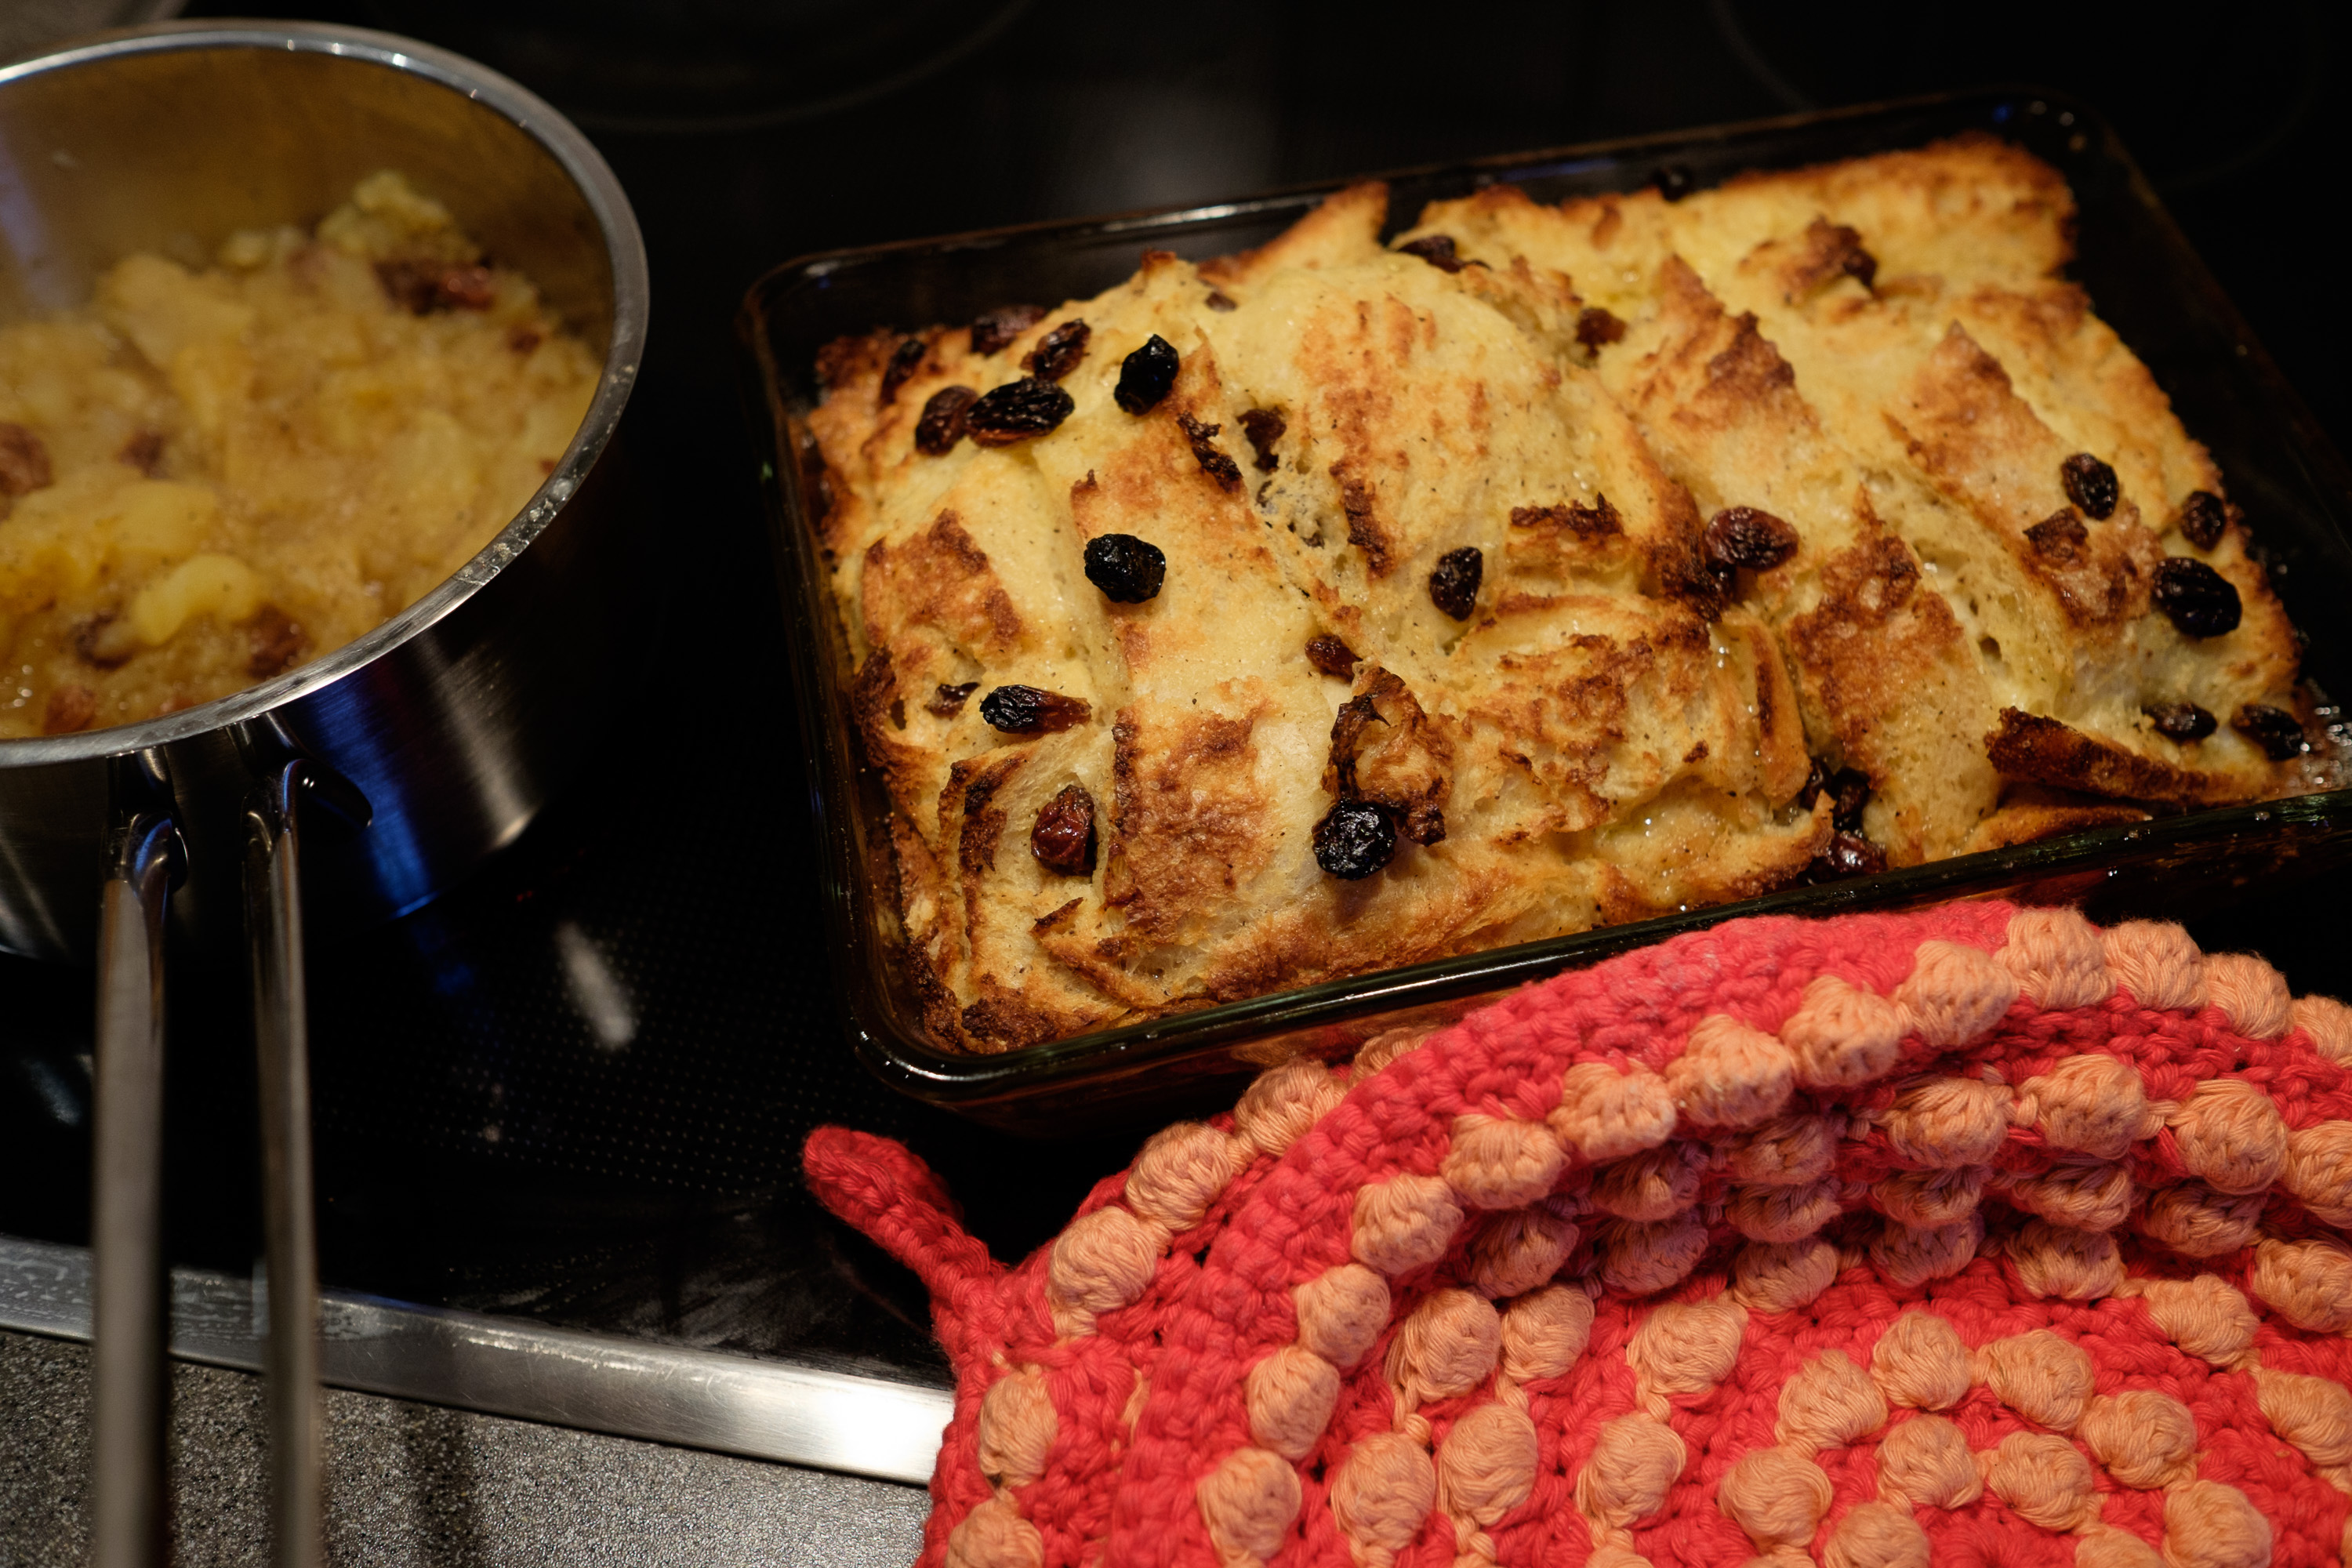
x,y
273,900
130,1301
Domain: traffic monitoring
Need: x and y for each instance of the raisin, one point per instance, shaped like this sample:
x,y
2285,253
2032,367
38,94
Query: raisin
x,y
1744,536
2091,485
1058,354
144,452
1221,301
1016,411
424,287
1145,376
1126,569
1596,326
947,702
1355,839
941,426
70,709
521,339
2196,599
1849,793
2060,537
24,461
991,329
905,360
1026,710
95,649
1332,656
1214,463
1675,181
2180,722
1263,427
1437,250
274,643
1848,854
1064,838
2202,518
1453,585
2272,729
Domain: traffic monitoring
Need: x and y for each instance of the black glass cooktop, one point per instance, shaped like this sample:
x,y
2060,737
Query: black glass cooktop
x,y
574,1088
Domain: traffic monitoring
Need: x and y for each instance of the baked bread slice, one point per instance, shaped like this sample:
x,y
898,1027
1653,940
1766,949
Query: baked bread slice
x,y
1340,605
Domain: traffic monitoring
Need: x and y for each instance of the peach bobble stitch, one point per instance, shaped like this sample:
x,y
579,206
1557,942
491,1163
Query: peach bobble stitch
x,y
1974,1233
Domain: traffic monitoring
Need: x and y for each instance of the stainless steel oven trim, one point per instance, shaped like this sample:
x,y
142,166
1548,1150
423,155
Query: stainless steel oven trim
x,y
504,1366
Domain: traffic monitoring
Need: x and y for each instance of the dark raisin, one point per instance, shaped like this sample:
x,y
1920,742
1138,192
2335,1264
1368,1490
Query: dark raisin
x,y
2181,722
1221,301
1026,710
1263,427
425,287
521,339
273,644
1437,250
1849,793
2091,485
143,451
947,702
1596,326
1848,854
941,426
991,329
1355,839
1453,585
1675,181
24,461
1145,376
71,709
1214,463
906,359
2196,599
95,649
1058,354
1126,569
1332,656
2060,537
1016,411
2272,729
1064,838
1744,536
2204,516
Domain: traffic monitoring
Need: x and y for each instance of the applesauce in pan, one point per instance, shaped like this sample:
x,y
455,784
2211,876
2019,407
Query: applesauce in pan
x,y
210,475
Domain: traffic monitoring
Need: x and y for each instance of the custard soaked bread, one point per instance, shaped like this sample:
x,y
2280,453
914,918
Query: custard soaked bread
x,y
1340,605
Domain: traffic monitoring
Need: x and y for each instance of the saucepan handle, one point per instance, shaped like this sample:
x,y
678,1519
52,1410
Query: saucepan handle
x,y
129,1296
273,900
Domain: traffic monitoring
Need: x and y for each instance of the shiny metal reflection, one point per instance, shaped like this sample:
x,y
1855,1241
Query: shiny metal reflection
x,y
600,1383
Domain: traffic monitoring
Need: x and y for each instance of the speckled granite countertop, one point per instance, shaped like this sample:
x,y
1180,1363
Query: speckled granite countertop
x,y
416,1485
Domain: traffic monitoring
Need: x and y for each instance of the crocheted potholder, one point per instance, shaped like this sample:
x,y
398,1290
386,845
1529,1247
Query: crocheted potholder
x,y
1979,1236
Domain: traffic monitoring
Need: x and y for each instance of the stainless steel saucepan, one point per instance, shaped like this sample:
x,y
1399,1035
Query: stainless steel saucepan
x,y
355,786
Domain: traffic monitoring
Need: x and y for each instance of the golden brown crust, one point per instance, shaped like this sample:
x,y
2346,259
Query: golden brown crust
x,y
1615,722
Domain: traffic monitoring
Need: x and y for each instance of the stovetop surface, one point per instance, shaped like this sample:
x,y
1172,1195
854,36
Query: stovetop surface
x,y
574,1089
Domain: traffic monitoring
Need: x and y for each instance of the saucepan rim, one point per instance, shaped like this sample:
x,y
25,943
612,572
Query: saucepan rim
x,y
625,254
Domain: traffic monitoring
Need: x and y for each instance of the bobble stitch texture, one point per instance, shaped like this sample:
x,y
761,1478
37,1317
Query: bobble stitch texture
x,y
2158,963
1730,1075
1955,994
1842,1036
1230,1377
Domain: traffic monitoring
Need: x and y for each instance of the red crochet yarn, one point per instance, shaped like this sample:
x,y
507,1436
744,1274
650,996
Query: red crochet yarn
x,y
1977,1234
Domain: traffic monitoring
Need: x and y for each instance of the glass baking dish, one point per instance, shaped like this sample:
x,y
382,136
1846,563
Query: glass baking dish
x,y
2143,278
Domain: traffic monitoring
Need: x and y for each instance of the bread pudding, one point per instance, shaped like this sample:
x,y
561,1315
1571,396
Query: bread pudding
x,y
1343,604
213,473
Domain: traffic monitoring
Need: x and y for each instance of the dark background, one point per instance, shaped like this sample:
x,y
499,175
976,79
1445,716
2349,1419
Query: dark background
x,y
480,1144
